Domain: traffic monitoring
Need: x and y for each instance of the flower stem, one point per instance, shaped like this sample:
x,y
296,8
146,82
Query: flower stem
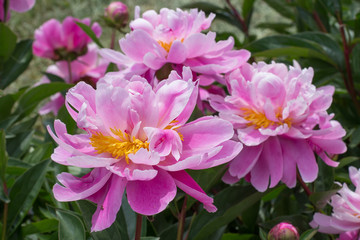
x,y
239,18
303,184
138,226
319,22
113,36
69,70
5,214
182,215
348,79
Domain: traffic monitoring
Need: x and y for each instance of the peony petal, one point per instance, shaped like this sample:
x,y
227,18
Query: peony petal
x,y
153,196
109,205
186,183
80,188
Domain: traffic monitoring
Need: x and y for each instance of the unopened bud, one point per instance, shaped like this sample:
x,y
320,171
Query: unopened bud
x,y
283,231
116,15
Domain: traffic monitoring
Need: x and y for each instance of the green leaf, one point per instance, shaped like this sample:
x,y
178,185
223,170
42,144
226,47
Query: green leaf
x,y
70,226
320,199
23,194
90,33
262,234
7,43
273,193
6,103
53,77
308,235
282,8
205,6
43,226
149,238
247,8
231,203
35,95
65,117
118,230
17,167
40,153
277,27
3,155
293,52
17,63
237,236
347,160
355,63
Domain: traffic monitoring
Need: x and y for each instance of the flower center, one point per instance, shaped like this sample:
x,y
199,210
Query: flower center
x,y
121,147
259,119
167,45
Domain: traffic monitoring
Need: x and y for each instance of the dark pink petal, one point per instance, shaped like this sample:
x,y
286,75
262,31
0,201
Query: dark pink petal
x,y
153,196
245,161
291,155
186,183
273,155
109,205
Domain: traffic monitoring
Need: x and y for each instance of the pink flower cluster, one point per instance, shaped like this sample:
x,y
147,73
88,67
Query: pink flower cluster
x,y
63,41
136,135
345,217
281,119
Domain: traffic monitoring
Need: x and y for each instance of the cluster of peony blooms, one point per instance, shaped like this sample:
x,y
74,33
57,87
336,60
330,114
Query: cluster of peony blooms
x,y
136,136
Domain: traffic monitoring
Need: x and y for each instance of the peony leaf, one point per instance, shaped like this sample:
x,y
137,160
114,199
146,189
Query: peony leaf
x,y
23,194
90,33
70,226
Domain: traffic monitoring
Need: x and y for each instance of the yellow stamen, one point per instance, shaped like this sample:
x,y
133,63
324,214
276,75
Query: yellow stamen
x,y
259,119
167,45
121,147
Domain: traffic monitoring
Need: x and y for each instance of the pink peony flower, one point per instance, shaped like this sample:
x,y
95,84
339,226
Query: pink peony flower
x,y
345,217
137,139
283,231
15,5
174,38
63,41
88,68
281,119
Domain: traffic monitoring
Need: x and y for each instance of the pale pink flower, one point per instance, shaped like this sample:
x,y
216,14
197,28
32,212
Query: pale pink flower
x,y
283,231
15,5
88,68
281,119
63,41
345,217
137,139
175,37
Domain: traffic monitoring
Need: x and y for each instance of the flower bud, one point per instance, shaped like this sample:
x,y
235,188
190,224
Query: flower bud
x,y
116,15
283,231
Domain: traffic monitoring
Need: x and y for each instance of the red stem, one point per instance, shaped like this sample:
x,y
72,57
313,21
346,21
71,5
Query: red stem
x,y
319,22
182,215
239,18
303,185
348,79
138,226
113,36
